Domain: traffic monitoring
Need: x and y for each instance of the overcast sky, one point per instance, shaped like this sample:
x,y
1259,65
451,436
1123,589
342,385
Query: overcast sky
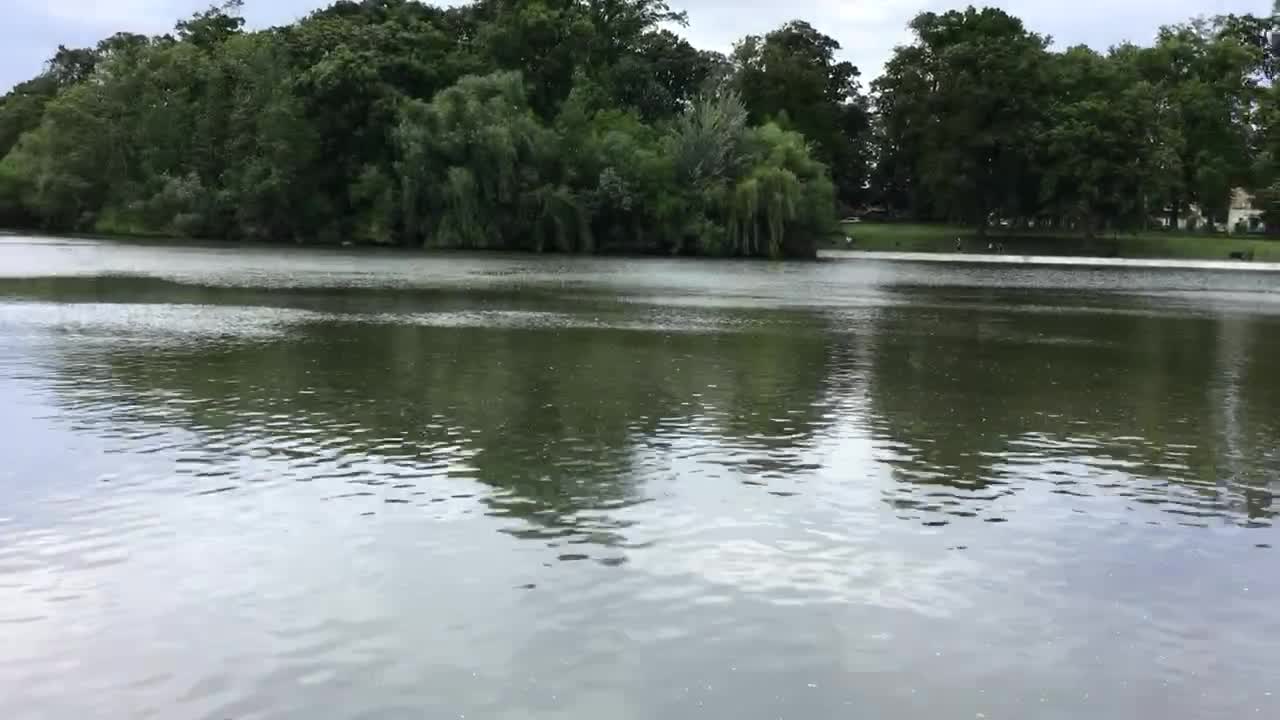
x,y
868,29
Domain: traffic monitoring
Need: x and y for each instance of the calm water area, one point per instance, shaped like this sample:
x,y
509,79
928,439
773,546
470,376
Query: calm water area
x,y
275,483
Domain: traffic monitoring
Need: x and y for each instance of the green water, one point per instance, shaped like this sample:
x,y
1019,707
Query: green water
x,y
252,483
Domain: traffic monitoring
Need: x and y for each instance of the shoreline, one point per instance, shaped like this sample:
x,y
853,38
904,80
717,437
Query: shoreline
x,y
1079,261
373,248
823,254
910,237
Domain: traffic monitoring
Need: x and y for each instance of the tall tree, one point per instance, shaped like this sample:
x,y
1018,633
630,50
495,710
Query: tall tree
x,y
961,107
660,76
212,27
792,75
1104,152
1209,80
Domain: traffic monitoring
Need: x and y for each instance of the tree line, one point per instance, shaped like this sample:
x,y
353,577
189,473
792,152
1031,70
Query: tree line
x,y
590,126
978,119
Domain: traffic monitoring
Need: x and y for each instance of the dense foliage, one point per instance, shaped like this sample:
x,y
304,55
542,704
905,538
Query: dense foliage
x,y
574,125
590,126
978,121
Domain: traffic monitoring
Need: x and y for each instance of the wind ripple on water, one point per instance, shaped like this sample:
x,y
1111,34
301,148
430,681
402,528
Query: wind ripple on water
x,y
563,505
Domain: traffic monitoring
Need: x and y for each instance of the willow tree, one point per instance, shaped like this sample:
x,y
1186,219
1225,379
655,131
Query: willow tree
x,y
785,201
753,191
472,166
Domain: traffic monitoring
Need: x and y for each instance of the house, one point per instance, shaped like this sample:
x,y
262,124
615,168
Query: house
x,y
1242,216
1189,219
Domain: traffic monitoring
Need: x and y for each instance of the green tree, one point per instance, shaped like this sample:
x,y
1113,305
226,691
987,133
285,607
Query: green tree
x,y
660,77
1208,78
272,148
792,76
353,64
393,121
59,170
751,191
1103,152
469,164
617,44
620,174
212,27
960,110
22,108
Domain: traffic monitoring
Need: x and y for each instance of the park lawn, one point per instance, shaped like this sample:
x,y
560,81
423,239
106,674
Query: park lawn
x,y
919,237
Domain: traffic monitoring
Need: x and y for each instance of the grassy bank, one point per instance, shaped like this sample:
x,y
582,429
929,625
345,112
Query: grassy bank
x,y
911,237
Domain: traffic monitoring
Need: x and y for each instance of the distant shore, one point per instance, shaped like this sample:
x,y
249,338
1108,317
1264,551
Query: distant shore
x,y
1066,261
912,243
924,238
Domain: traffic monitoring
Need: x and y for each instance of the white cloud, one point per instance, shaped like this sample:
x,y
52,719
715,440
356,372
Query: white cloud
x,y
33,31
121,13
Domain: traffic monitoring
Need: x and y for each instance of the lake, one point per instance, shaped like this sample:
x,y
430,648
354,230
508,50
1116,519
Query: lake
x,y
286,483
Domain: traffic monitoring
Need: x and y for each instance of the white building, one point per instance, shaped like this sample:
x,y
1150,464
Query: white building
x,y
1242,215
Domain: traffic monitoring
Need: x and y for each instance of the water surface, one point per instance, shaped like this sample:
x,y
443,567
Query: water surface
x,y
277,483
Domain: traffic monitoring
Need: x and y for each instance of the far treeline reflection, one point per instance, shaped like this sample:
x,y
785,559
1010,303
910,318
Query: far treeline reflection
x,y
590,126
558,416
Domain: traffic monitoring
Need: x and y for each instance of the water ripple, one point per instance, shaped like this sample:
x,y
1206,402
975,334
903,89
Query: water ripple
x,y
510,487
